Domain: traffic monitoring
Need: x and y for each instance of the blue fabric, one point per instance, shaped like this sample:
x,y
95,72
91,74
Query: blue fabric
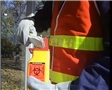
x,y
103,6
94,77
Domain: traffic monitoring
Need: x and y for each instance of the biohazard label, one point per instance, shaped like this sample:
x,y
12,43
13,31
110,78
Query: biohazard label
x,y
37,70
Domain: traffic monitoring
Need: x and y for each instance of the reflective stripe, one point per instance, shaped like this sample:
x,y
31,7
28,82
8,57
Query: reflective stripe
x,y
60,77
77,42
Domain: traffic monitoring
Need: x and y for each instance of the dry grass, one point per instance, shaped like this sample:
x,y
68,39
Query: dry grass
x,y
12,76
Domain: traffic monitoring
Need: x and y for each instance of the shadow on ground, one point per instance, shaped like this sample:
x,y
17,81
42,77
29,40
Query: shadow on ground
x,y
10,64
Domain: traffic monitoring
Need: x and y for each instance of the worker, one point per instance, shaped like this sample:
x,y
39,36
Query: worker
x,y
79,59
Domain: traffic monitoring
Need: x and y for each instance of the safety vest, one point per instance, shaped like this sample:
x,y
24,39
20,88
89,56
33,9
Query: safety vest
x,y
76,38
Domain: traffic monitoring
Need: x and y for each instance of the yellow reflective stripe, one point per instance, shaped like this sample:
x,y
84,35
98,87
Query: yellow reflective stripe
x,y
61,77
77,42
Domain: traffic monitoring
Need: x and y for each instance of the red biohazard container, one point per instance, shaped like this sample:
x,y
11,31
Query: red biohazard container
x,y
38,65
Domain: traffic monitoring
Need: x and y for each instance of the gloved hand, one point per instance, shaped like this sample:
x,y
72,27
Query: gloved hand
x,y
26,34
36,84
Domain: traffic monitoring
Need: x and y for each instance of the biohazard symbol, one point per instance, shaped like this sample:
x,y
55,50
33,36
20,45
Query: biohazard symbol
x,y
37,71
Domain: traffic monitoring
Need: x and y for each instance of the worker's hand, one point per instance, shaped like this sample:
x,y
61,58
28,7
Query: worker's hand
x,y
36,84
26,34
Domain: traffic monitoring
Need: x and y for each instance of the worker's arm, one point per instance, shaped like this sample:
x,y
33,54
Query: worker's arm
x,y
28,27
104,8
94,77
97,75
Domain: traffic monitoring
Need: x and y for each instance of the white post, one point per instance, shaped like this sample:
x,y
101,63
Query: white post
x,y
28,55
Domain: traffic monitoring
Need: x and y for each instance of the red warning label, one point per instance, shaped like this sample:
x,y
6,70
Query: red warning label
x,y
37,70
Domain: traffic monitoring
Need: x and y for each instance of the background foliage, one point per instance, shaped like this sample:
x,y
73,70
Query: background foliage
x,y
12,11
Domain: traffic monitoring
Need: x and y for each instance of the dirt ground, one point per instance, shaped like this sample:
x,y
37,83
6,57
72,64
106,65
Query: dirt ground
x,y
12,76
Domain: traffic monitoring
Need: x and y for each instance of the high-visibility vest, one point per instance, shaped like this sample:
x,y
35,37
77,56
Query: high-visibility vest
x,y
76,38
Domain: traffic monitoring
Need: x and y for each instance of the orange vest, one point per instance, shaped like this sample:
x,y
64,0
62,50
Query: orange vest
x,y
76,38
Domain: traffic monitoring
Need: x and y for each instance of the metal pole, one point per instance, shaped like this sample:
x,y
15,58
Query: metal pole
x,y
28,55
0,48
